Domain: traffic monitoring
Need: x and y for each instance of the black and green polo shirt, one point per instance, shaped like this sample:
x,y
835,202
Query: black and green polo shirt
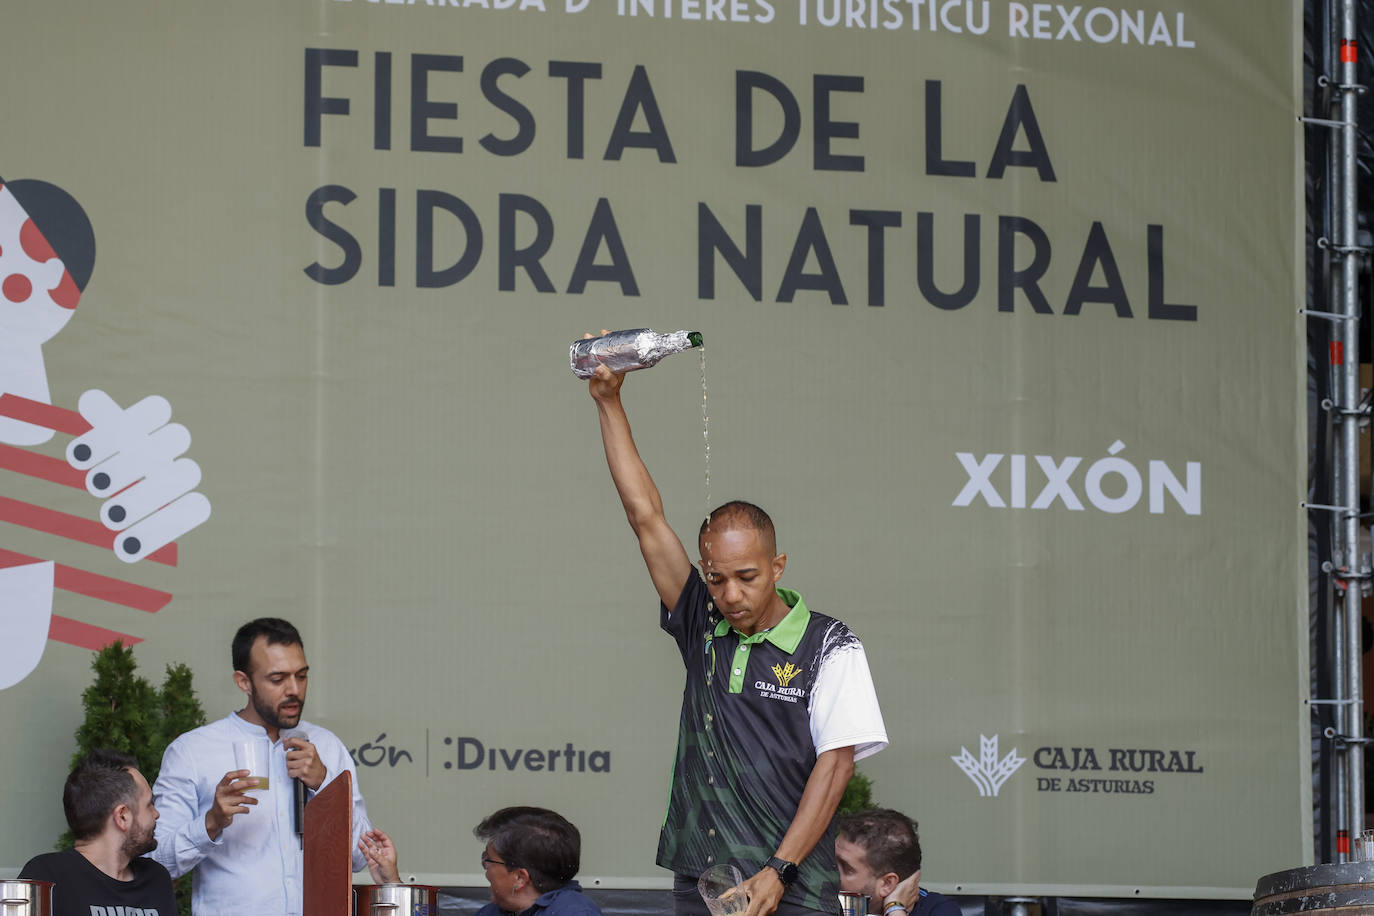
x,y
756,712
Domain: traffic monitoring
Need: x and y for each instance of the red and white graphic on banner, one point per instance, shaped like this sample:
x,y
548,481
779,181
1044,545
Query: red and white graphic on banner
x,y
130,458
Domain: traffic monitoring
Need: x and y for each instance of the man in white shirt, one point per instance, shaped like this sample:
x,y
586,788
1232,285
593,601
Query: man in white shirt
x,y
243,840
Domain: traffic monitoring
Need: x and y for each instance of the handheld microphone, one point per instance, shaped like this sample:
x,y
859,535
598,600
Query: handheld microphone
x,y
298,809
298,791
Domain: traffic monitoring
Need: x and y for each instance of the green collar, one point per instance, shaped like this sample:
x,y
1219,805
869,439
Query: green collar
x,y
787,633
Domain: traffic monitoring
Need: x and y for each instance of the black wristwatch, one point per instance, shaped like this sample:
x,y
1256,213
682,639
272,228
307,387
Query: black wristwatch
x,y
786,870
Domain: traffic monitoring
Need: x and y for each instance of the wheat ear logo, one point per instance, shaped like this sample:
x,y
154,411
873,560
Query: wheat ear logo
x,y
785,673
987,772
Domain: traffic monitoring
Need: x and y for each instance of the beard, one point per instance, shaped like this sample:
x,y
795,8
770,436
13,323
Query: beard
x,y
138,842
273,717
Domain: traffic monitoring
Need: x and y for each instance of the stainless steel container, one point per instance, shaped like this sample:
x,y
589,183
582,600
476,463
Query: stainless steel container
x,y
20,897
393,900
854,904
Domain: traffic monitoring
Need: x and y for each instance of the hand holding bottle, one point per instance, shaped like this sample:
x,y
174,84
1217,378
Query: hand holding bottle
x,y
622,351
604,383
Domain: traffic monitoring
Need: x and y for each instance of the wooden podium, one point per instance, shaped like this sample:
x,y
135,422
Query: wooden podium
x,y
328,884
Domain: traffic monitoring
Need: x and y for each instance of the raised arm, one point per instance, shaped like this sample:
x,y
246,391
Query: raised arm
x,y
664,554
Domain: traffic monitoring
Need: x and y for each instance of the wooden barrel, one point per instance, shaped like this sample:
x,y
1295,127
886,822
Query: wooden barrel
x,y
1344,889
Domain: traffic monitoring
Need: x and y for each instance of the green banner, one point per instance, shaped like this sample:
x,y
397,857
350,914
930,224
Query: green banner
x,y
1000,310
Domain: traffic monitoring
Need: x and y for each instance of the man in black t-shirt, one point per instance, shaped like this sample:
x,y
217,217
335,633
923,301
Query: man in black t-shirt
x,y
109,807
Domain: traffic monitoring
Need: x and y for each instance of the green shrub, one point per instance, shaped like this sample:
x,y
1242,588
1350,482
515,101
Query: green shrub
x,y
858,795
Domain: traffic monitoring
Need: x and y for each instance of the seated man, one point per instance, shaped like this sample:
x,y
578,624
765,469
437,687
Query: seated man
x,y
530,859
109,807
879,855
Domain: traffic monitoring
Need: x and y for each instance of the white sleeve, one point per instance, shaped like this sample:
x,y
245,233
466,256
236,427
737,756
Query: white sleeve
x,y
182,841
844,706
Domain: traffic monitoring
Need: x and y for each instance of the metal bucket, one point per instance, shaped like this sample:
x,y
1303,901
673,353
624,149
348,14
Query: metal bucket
x,y
394,900
1346,889
20,897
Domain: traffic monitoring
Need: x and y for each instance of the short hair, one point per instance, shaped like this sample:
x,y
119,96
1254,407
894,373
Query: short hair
x,y
739,514
97,784
888,839
278,632
541,841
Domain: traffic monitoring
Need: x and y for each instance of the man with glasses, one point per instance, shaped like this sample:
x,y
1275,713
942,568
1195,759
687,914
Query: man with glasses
x,y
530,860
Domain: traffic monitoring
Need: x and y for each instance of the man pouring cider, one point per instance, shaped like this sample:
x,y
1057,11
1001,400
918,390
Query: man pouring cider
x,y
778,703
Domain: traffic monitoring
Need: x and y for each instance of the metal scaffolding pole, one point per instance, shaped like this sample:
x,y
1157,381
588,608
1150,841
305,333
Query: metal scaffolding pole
x,y
1349,570
1348,400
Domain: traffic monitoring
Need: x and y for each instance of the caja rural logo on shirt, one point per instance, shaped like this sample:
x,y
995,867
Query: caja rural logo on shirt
x,y
781,691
